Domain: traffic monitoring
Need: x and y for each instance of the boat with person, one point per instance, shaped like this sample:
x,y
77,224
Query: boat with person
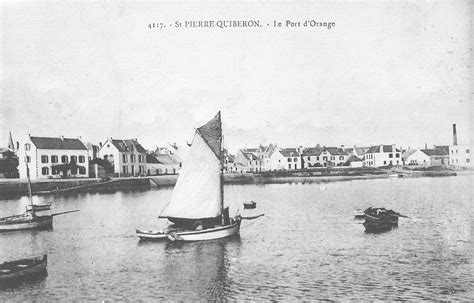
x,y
380,219
196,208
19,270
29,219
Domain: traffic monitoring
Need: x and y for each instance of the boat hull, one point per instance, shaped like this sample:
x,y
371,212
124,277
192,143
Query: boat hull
x,y
250,205
210,233
38,222
151,235
22,269
192,235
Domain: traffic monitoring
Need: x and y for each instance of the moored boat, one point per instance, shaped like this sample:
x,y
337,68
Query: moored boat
x,y
16,271
250,205
25,221
197,207
38,207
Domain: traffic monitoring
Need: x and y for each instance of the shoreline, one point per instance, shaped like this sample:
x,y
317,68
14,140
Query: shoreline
x,y
18,187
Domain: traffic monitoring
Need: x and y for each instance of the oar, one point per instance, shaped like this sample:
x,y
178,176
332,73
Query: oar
x,y
65,212
403,216
252,217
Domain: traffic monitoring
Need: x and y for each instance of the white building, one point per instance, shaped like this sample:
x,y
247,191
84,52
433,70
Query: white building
x,y
461,155
127,157
324,156
53,158
247,162
162,164
383,155
428,157
285,159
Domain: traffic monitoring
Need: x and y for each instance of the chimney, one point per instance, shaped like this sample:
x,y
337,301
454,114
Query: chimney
x,y
455,135
426,146
381,149
100,144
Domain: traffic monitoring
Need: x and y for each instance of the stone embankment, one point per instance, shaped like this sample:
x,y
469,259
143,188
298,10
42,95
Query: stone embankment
x,y
15,187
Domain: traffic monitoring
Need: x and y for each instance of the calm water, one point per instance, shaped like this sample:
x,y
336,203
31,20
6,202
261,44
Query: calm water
x,y
307,246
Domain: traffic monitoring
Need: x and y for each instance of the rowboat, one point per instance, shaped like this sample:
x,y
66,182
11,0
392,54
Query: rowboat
x,y
250,205
196,207
380,219
17,271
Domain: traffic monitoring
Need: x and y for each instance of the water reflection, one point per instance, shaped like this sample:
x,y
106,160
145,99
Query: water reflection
x,y
201,265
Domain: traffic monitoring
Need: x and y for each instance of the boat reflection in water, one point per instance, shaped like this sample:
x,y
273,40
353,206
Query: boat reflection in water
x,y
200,268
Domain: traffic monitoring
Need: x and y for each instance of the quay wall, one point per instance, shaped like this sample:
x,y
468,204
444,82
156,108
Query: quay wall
x,y
15,187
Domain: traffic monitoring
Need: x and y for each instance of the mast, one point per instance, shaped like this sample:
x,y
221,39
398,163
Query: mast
x,y
29,186
222,178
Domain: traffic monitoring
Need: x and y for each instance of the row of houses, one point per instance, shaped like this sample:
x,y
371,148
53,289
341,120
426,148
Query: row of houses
x,y
59,157
272,158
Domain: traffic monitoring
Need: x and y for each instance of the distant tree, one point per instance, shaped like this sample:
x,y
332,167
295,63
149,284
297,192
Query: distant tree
x,y
9,165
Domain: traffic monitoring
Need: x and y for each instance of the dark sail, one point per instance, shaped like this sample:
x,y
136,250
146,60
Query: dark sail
x,y
211,132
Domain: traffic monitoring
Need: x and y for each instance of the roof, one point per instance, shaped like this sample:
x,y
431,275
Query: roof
x,y
128,145
290,152
58,143
408,153
101,162
161,159
312,151
434,152
249,155
386,149
335,150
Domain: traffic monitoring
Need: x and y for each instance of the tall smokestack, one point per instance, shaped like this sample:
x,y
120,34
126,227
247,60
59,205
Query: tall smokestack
x,y
455,135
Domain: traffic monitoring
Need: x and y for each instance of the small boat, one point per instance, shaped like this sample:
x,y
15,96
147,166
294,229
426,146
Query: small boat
x,y
17,271
380,219
249,205
196,208
38,207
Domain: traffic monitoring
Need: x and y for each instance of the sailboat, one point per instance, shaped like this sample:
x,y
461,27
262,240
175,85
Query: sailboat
x,y
196,206
29,219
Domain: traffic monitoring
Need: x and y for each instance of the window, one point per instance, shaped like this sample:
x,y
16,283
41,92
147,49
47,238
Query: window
x,y
63,159
325,158
289,166
468,160
106,157
333,158
45,171
390,155
74,170
317,158
309,158
27,146
125,169
74,159
140,158
341,157
82,159
397,155
289,159
467,151
132,158
44,159
54,159
384,162
124,158
295,159
82,170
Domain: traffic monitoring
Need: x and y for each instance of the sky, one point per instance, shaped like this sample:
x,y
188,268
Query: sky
x,y
387,73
